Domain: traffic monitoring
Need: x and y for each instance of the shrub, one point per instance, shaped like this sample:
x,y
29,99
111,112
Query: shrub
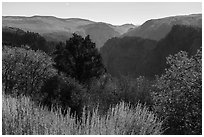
x,y
134,90
107,91
25,70
128,120
102,93
22,117
178,94
63,92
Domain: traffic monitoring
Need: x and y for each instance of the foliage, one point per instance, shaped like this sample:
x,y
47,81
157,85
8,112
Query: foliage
x,y
19,38
102,93
180,38
79,59
108,91
134,90
178,94
63,92
31,73
134,56
24,71
22,117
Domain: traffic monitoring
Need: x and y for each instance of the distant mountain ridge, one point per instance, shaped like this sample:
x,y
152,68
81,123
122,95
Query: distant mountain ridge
x,y
135,56
59,29
156,29
140,51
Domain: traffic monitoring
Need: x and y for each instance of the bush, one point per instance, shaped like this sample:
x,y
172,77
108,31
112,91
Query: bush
x,y
102,93
22,117
178,94
63,92
137,120
107,91
25,70
134,90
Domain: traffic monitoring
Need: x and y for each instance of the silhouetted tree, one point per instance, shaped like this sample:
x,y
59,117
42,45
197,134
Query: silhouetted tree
x,y
79,59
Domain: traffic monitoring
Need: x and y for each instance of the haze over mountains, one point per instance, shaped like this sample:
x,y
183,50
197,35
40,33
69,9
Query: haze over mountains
x,y
143,51
126,49
57,29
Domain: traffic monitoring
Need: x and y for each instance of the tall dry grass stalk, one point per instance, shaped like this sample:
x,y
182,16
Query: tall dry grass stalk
x,y
22,117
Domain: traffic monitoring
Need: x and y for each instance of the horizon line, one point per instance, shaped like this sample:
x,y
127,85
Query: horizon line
x,y
66,18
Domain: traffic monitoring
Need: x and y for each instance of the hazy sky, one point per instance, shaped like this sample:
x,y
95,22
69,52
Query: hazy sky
x,y
114,13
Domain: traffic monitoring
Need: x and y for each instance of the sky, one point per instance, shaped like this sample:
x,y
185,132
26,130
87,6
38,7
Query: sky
x,y
114,13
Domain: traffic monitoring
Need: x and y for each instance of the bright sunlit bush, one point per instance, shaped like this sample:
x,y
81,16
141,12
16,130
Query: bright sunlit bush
x,y
22,117
178,94
25,70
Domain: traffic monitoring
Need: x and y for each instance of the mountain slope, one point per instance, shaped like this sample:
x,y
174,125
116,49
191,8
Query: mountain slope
x,y
44,24
135,56
100,33
57,29
157,29
123,28
16,37
180,38
125,55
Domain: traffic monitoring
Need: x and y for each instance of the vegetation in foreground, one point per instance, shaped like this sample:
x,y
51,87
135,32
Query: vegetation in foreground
x,y
178,94
22,117
95,103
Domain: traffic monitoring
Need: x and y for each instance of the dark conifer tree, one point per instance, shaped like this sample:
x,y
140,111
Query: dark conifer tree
x,y
79,59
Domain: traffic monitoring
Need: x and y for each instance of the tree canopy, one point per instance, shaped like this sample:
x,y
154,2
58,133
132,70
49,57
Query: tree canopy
x,y
79,59
178,94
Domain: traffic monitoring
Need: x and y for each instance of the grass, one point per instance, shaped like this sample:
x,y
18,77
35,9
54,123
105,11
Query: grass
x,y
22,117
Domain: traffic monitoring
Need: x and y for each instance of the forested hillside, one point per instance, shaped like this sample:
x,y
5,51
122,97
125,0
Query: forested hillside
x,y
136,56
58,29
16,37
126,56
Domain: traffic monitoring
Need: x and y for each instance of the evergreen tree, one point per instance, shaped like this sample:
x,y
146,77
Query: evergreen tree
x,y
79,59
